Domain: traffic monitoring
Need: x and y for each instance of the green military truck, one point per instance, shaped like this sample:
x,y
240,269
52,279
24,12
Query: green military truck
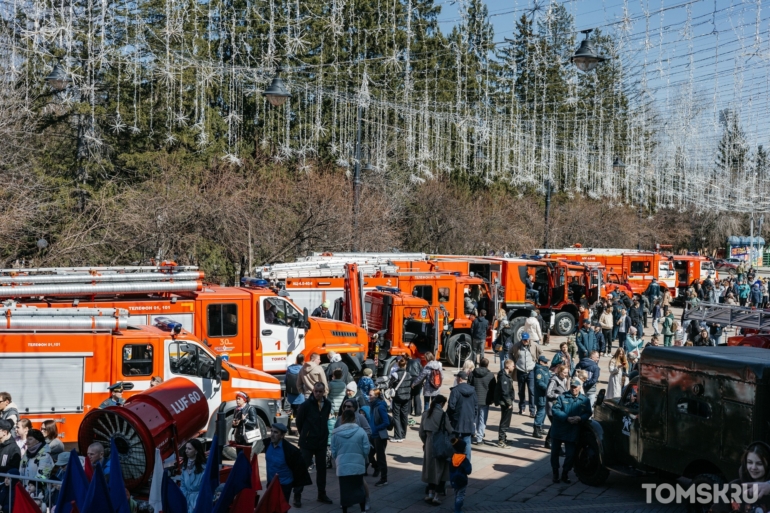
x,y
690,412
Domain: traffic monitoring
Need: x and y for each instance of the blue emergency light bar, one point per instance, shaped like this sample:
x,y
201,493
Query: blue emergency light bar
x,y
167,324
392,290
254,282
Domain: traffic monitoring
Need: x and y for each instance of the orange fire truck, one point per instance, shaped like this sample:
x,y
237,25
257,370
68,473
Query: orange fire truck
x,y
637,268
690,268
58,362
319,279
399,323
250,325
559,286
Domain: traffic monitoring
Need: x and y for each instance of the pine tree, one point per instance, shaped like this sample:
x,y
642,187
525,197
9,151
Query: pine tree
x,y
732,151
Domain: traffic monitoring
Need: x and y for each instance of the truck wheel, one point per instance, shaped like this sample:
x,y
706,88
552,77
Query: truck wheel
x,y
710,479
229,453
459,349
588,464
563,324
517,323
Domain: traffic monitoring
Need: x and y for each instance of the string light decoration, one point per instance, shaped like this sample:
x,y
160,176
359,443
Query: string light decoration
x,y
685,113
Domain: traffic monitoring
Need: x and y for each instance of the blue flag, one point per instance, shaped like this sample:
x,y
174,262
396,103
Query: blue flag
x,y
117,486
173,500
98,496
74,486
239,479
205,502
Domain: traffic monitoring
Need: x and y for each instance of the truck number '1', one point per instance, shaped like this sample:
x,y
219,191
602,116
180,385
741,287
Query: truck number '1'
x,y
278,344
181,404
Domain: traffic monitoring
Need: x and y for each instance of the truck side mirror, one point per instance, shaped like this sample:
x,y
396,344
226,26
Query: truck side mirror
x,y
218,369
306,319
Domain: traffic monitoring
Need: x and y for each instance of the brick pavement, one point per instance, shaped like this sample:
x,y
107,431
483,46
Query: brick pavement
x,y
514,479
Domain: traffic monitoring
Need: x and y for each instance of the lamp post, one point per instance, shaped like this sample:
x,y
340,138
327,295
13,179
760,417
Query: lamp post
x,y
57,79
548,185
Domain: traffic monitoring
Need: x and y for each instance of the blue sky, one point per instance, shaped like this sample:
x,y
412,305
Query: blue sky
x,y
722,55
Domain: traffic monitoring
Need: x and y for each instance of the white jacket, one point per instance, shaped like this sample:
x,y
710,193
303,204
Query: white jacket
x,y
532,326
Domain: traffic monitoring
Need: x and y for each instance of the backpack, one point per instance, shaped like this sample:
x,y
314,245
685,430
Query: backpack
x,y
436,378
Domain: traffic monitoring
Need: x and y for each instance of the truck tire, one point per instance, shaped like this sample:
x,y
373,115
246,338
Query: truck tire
x,y
564,324
229,453
588,464
517,323
459,349
708,479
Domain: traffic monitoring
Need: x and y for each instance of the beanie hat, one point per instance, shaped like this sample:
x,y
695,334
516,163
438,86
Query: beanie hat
x,y
37,435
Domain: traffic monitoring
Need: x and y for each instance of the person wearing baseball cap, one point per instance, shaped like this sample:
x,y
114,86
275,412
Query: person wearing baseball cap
x,y
570,410
10,454
525,354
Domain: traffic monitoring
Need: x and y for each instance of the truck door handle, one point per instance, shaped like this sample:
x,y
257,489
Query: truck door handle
x,y
267,332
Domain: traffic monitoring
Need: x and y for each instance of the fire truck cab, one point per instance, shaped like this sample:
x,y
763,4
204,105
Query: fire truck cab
x,y
58,362
689,268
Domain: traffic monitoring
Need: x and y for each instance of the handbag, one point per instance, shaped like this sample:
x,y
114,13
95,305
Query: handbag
x,y
391,392
442,447
253,435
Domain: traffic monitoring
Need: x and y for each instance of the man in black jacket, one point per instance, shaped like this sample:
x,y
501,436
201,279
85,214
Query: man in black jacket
x,y
287,464
463,410
479,328
504,399
483,382
10,455
312,424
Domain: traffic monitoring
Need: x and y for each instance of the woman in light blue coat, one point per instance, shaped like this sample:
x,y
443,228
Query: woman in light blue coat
x,y
350,449
192,472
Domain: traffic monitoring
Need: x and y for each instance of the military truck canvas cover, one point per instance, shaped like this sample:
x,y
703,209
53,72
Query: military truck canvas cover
x,y
743,363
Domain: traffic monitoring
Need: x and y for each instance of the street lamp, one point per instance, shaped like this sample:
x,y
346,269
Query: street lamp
x,y
58,79
276,93
618,165
585,58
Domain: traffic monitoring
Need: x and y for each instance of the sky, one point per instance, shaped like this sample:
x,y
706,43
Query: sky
x,y
715,52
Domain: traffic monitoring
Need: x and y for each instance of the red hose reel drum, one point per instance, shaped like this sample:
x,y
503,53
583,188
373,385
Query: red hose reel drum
x,y
166,416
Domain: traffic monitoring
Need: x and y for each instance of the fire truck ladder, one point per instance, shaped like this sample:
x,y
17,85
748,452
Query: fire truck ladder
x,y
317,256
730,315
94,281
90,319
328,269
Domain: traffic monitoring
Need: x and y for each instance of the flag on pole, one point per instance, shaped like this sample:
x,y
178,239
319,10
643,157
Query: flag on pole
x,y
74,485
98,496
156,486
239,479
173,500
273,500
256,482
205,501
23,502
117,485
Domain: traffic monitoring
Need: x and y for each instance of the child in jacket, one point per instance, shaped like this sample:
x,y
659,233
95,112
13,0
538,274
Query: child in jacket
x,y
458,475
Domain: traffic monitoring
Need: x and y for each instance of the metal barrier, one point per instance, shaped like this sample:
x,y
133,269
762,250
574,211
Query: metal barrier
x,y
25,480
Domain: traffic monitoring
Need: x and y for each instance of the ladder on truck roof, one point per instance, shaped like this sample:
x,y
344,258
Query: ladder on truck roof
x,y
16,317
316,256
588,251
730,315
95,281
330,269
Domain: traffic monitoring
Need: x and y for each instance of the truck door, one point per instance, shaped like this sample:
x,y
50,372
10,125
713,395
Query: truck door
x,y
559,290
280,334
189,360
666,274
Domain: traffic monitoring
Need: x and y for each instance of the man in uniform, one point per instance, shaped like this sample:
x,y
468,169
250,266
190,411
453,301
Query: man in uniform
x,y
116,399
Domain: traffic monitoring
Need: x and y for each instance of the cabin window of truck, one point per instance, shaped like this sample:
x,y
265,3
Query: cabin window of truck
x,y
138,360
424,292
189,360
222,320
640,267
443,294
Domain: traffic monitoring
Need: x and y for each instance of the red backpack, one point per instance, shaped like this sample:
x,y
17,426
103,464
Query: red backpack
x,y
436,378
